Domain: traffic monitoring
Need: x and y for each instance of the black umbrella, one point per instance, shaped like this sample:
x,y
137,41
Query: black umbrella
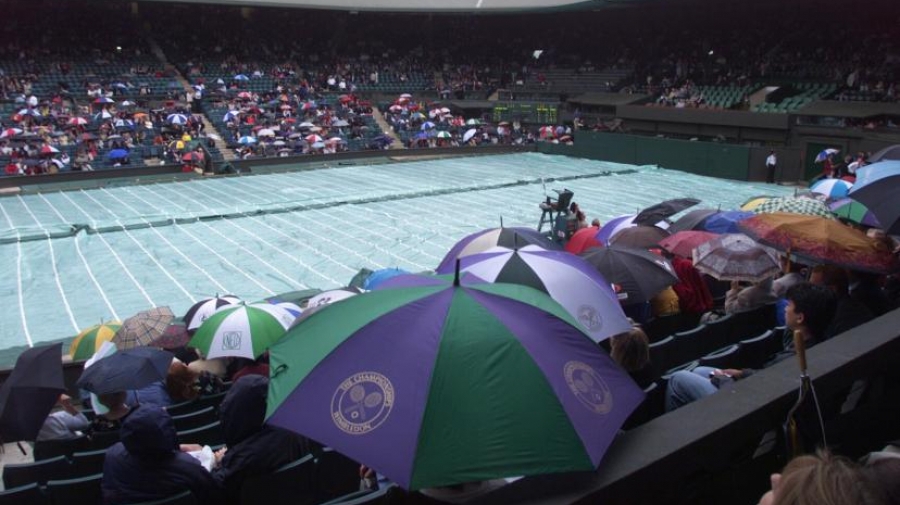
x,y
30,392
691,220
639,274
888,153
126,370
656,213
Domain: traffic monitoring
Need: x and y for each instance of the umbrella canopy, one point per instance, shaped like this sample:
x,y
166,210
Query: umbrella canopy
x,y
640,274
725,222
614,226
683,243
832,188
126,370
795,205
583,239
568,279
825,153
143,328
175,336
379,276
177,119
331,296
851,210
30,391
90,339
410,414
821,240
242,331
246,140
639,237
201,310
888,153
117,154
656,213
735,257
469,134
492,237
691,220
755,202
877,186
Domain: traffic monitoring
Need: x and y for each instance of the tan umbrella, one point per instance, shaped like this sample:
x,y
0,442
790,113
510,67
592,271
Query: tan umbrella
x,y
143,328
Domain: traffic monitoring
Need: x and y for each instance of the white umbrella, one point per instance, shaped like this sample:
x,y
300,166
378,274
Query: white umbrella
x,y
469,134
266,132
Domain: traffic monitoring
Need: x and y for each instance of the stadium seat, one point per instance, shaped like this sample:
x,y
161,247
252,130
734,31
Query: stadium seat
x,y
81,490
292,484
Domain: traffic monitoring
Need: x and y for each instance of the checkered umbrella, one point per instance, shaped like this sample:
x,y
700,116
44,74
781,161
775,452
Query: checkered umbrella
x,y
791,205
143,328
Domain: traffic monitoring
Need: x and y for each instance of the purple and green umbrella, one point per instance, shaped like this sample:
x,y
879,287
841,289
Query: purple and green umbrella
x,y
567,278
242,331
439,385
851,210
503,237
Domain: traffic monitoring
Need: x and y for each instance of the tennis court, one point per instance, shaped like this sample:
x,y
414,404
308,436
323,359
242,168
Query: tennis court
x,y
74,258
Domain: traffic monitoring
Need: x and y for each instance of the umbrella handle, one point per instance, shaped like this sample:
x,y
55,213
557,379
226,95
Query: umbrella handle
x,y
800,349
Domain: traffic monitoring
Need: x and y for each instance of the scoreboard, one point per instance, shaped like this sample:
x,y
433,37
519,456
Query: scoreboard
x,y
526,112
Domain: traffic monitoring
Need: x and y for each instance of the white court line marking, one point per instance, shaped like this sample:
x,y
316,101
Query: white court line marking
x,y
216,253
219,285
144,250
256,219
56,276
19,280
87,265
316,251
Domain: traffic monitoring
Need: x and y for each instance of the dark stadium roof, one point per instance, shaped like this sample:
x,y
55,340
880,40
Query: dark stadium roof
x,y
472,6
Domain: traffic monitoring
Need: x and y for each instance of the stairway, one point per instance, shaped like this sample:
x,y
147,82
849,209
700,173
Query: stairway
x,y
386,128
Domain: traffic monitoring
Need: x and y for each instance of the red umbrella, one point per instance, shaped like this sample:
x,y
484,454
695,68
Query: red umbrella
x,y
583,240
683,243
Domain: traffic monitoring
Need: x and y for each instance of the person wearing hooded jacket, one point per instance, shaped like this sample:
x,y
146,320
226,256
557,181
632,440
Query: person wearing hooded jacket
x,y
252,447
148,465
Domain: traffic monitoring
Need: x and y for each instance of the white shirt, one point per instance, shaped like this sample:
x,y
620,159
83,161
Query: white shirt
x,y
771,160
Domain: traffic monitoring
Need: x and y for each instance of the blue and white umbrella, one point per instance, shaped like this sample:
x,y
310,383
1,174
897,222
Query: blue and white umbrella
x,y
124,124
247,140
177,119
427,125
241,77
822,156
103,115
832,188
231,115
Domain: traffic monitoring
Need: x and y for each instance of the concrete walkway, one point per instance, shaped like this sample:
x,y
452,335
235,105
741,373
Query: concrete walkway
x,y
386,128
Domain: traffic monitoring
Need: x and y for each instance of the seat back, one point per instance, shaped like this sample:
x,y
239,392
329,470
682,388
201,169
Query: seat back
x,y
688,345
88,462
82,490
29,494
182,408
292,484
660,355
719,333
336,475
38,472
184,498
652,406
209,434
210,401
754,352
195,419
726,357
102,440
47,449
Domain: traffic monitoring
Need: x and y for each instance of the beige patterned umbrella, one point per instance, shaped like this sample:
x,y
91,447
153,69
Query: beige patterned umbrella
x,y
143,328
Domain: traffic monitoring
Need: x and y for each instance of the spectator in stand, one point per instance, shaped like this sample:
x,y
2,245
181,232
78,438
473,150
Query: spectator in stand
x,y
64,424
745,299
849,313
631,350
823,478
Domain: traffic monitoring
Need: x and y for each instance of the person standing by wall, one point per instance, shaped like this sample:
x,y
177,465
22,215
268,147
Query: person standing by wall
x,y
771,163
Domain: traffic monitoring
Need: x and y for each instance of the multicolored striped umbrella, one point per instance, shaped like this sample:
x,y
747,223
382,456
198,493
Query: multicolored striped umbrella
x,y
201,310
440,385
821,240
795,205
242,331
851,210
143,328
90,339
752,203
735,257
567,278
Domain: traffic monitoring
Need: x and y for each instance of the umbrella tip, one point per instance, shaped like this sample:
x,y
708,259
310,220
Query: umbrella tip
x,y
456,274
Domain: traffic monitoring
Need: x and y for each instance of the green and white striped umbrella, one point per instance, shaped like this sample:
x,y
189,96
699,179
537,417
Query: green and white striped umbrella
x,y
243,331
795,205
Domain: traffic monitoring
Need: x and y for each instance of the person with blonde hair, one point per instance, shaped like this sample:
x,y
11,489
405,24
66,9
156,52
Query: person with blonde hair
x,y
821,479
631,350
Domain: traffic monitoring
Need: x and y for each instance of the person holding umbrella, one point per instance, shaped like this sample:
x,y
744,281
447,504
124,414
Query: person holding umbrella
x,y
64,424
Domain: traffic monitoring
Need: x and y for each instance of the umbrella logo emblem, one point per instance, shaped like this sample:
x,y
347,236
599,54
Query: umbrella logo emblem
x,y
587,385
231,340
590,317
362,403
